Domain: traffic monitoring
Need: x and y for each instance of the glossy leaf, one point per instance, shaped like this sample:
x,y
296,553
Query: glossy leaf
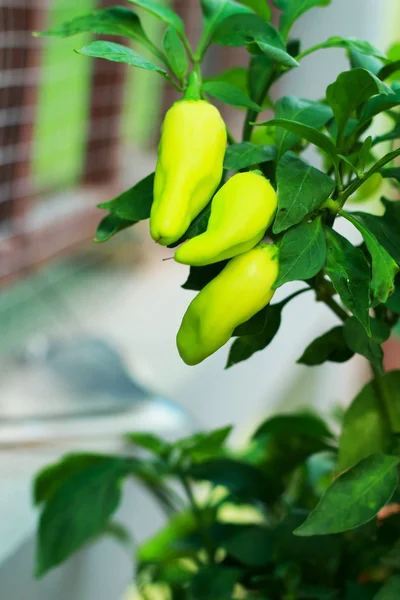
x,y
199,277
308,133
364,431
386,228
307,112
355,497
349,272
328,347
225,92
161,12
369,346
135,203
245,154
243,29
293,9
302,253
301,190
175,52
350,90
110,226
384,268
214,582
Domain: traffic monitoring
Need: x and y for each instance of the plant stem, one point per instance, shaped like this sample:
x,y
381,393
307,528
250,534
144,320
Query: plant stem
x,y
337,309
231,139
251,115
309,51
198,513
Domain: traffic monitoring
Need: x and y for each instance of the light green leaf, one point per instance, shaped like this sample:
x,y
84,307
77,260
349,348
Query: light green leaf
x,y
349,272
260,7
175,52
307,112
355,497
350,90
293,9
301,190
308,133
364,431
302,252
120,54
245,154
384,268
134,204
161,12
225,92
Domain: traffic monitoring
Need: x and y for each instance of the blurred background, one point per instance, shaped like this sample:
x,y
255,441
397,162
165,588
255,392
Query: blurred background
x,y
75,132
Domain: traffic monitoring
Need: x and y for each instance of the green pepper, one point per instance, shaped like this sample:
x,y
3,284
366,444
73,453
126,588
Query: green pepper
x,y
243,288
189,168
241,212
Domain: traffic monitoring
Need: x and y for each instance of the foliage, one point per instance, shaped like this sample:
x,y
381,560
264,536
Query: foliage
x,y
338,495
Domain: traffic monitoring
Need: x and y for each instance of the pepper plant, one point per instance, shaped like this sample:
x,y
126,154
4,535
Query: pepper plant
x,y
318,513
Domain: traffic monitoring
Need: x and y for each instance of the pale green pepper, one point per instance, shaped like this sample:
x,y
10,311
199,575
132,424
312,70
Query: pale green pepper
x,y
241,212
243,288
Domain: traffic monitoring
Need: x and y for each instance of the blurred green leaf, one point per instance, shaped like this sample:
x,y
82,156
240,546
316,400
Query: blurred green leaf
x,y
329,347
252,545
390,590
148,441
214,582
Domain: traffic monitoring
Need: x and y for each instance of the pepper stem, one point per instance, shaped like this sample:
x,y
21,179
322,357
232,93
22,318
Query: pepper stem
x,y
193,91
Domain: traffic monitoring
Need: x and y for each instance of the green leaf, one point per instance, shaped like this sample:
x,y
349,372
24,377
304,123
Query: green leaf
x,y
216,11
308,133
135,203
260,7
116,20
110,226
350,90
384,268
198,226
353,44
225,92
307,112
203,446
293,9
214,582
301,190
81,506
390,590
348,270
358,340
361,61
385,228
364,431
391,173
259,74
252,545
247,345
302,252
330,346
199,277
120,54
245,29
394,134
388,70
355,497
390,388
245,154
378,104
304,424
161,12
148,441
236,76
169,542
393,302
175,52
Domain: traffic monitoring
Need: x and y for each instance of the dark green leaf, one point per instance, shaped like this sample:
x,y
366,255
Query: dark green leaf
x,y
175,52
301,190
355,497
259,75
253,326
330,346
110,226
252,545
238,477
245,154
365,153
135,203
391,173
362,591
148,441
202,446
386,228
170,542
120,54
78,510
303,424
243,29
198,226
260,7
350,90
236,76
214,582
308,133
225,92
393,302
354,45
390,590
361,61
378,104
216,11
307,112
389,70
358,340
394,134
390,386
349,272
384,268
293,9
200,276
161,12
302,252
